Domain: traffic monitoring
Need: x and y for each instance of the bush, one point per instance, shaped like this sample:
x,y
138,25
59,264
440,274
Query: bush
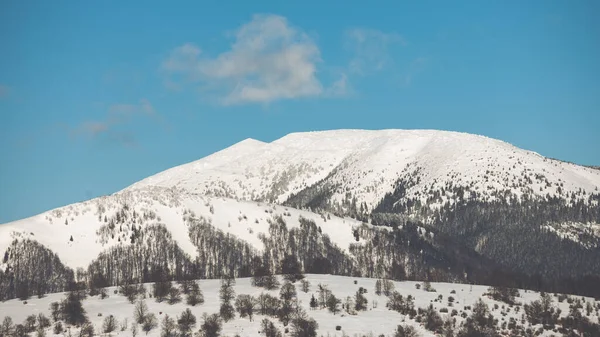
x,y
302,327
87,330
503,294
427,287
433,321
405,331
244,304
149,323
269,329
161,290
43,321
338,327
58,328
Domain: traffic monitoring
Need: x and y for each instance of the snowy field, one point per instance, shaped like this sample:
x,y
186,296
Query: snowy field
x,y
376,320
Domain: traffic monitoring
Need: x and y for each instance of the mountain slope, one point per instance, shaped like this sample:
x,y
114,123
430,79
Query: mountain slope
x,y
88,223
422,204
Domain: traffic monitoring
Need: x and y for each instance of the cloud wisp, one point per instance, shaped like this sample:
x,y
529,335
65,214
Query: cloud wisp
x,y
371,49
269,60
117,116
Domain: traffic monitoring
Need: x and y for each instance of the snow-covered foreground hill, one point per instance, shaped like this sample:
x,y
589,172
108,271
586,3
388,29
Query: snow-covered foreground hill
x,y
375,321
78,233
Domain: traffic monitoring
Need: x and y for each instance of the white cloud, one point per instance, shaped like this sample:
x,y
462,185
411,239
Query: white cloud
x,y
269,60
370,48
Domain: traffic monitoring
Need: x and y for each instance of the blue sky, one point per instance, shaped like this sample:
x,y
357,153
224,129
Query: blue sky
x,y
97,95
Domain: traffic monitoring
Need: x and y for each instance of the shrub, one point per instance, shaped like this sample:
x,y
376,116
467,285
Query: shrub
x,y
338,327
427,287
269,329
405,331
433,321
244,304
58,328
149,323
503,294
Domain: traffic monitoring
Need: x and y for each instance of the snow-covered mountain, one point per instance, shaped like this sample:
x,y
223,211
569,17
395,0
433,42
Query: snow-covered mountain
x,y
369,164
416,204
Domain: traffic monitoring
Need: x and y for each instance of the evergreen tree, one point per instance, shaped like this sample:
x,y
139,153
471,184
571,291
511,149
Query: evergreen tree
x,y
333,304
291,268
55,311
313,302
195,295
110,324
186,322
168,327
174,295
378,287
72,309
360,301
161,290
149,323
226,294
212,325
305,285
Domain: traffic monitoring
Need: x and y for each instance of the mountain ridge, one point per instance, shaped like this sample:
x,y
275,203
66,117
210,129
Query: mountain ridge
x,y
414,204
298,160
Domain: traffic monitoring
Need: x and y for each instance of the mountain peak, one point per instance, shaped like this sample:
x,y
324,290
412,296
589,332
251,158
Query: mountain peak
x,y
372,163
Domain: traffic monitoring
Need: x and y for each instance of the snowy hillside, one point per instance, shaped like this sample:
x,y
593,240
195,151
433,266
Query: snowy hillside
x,y
453,302
368,164
416,205
78,233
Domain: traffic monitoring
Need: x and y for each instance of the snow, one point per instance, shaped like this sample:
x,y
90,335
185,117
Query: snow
x,y
169,205
376,320
370,162
367,163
